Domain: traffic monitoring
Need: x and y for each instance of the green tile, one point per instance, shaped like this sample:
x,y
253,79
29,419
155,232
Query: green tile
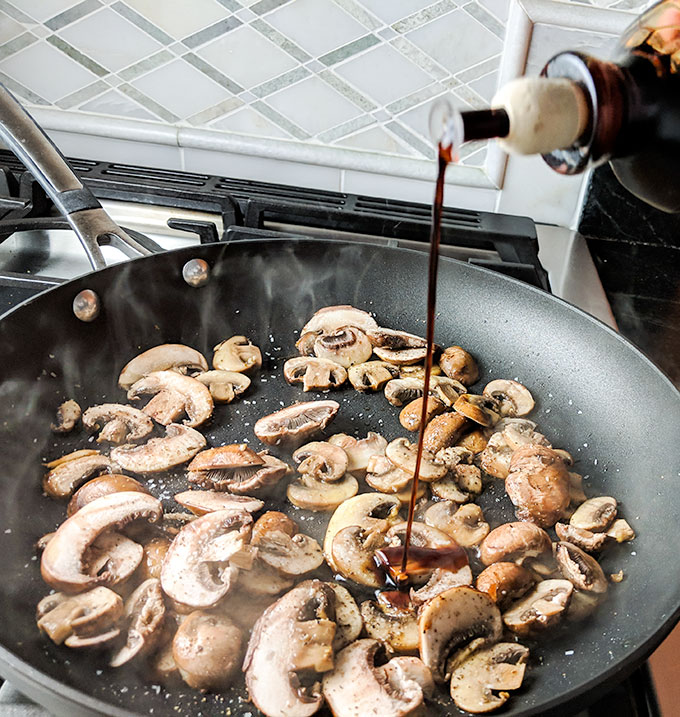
x,y
483,16
72,14
149,104
347,91
218,110
420,18
146,65
354,125
278,83
83,95
263,6
280,40
411,139
278,119
142,23
17,43
213,73
15,13
78,56
210,33
20,91
358,12
348,50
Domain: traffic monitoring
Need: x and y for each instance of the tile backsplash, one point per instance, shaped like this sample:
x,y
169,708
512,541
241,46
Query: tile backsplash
x,y
340,84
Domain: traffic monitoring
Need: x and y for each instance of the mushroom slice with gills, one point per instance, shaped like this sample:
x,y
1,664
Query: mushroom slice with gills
x,y
495,459
260,579
444,431
480,683
584,539
384,476
454,624
446,389
541,608
305,344
71,471
402,454
480,409
73,619
201,502
514,543
62,565
505,582
200,566
518,432
399,391
514,399
313,494
179,445
172,390
580,568
324,461
418,371
348,619
391,339
356,687
442,579
538,485
620,531
315,374
294,424
401,357
331,318
359,452
395,626
458,364
144,613
293,635
114,554
117,423
236,354
595,515
166,357
353,552
371,375
411,414
102,485
207,650
346,346
224,386
465,524
68,414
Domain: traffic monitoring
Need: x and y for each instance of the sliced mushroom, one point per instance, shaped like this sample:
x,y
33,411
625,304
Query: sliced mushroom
x,y
260,579
481,682
295,423
514,543
454,624
458,364
584,539
346,346
480,409
62,565
513,398
236,354
304,616
348,620
173,391
234,467
68,414
444,431
312,494
200,565
463,480
89,619
331,318
118,423
621,531
404,495
446,389
391,339
402,453
324,461
384,476
371,375
399,391
411,414
305,344
495,459
102,485
353,554
505,582
595,515
542,608
418,371
144,613
152,560
580,568
201,502
207,649
290,555
72,457
474,441
441,580
315,374
576,494
179,445
165,357
401,357
398,628
224,386
582,605
114,553
71,471
359,452
465,524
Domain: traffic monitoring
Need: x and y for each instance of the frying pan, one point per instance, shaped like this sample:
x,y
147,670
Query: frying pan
x,y
596,395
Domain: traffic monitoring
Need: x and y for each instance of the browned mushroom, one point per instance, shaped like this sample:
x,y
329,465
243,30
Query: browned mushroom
x,y
296,423
395,626
513,398
584,539
371,375
152,560
68,414
444,431
411,414
480,409
595,515
514,542
505,582
346,346
541,608
384,476
465,524
458,364
315,374
71,471
580,568
102,485
236,354
118,423
353,554
165,357
402,454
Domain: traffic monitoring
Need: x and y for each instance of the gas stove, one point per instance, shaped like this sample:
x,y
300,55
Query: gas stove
x,y
175,209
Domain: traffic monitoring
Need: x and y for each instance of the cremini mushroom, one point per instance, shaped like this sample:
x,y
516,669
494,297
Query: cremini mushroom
x,y
541,608
115,554
458,364
293,635
411,414
384,476
353,554
356,687
348,619
69,472
144,615
179,445
508,435
474,441
201,502
391,339
322,460
236,354
207,650
514,399
584,539
165,357
174,395
465,524
315,374
68,414
200,566
580,568
402,454
224,386
444,431
102,485
397,627
89,619
371,375
400,357
442,579
311,493
359,451
454,624
331,318
505,582
514,543
595,515
117,423
495,459
480,683
62,565
480,409
399,391
346,346
294,424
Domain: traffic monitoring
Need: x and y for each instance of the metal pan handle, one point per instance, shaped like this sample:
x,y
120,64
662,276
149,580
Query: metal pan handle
x,y
73,199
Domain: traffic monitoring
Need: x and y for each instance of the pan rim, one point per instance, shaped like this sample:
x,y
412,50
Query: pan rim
x,y
579,695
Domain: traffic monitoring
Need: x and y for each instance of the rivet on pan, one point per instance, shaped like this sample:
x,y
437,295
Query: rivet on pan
x,y
196,272
86,305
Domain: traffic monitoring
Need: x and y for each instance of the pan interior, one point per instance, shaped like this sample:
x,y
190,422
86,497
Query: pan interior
x,y
596,396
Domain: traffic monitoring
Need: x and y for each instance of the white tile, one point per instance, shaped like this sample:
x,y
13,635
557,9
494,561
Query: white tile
x,y
384,74
456,41
499,8
47,71
44,9
548,40
318,26
485,86
418,117
247,57
110,39
313,105
9,28
390,11
180,18
260,168
376,139
181,88
115,104
248,121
